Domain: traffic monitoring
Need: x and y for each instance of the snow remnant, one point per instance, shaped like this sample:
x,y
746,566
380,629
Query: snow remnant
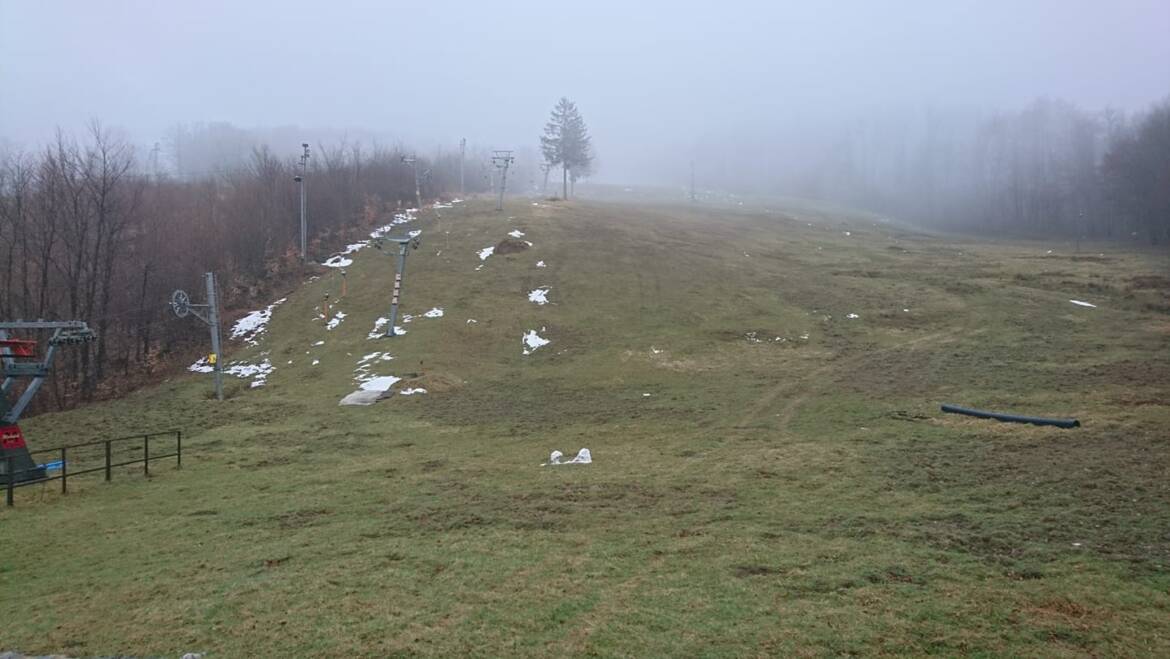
x,y
852,315
379,329
486,252
540,264
1081,303
335,320
532,341
338,261
583,457
516,233
412,391
250,327
539,296
434,313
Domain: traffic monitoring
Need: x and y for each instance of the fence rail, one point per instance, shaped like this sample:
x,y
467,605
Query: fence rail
x,y
107,464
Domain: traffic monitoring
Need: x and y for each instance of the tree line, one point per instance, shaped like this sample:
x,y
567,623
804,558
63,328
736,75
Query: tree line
x,y
1049,169
90,231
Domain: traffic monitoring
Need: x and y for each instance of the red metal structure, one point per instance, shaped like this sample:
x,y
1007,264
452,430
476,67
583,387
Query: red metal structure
x,y
20,360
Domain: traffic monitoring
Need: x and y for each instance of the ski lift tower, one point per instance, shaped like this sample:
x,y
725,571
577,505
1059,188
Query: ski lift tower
x,y
20,360
502,160
403,244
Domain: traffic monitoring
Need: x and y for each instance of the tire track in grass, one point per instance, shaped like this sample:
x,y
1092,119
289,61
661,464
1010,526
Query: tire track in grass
x,y
808,384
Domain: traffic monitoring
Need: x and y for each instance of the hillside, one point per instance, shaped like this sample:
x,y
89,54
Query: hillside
x,y
758,386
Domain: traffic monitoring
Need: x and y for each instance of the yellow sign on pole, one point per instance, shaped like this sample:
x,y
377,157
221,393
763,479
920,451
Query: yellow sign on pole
x,y
212,358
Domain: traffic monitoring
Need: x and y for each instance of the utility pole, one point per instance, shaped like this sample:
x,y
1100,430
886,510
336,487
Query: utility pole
x,y
413,162
300,179
545,167
462,159
209,314
692,182
502,160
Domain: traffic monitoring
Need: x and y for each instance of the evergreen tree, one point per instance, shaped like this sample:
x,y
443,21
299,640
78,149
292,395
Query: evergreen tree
x,y
566,142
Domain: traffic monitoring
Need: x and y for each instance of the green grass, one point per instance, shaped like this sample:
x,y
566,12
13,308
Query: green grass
x,y
770,497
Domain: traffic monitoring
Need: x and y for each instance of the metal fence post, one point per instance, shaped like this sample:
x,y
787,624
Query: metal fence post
x,y
178,449
146,455
107,461
64,472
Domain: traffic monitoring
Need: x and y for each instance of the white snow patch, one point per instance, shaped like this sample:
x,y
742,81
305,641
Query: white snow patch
x,y
319,343
532,341
379,329
540,264
539,296
398,330
414,234
1083,304
250,327
471,321
434,313
338,261
486,252
316,361
259,372
412,391
201,366
516,233
654,350
848,233
379,383
335,320
852,315
479,267
583,457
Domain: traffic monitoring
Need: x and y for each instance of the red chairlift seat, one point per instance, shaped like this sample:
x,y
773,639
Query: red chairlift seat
x,y
18,348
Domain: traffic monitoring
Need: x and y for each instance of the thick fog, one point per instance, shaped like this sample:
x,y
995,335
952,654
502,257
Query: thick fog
x,y
752,92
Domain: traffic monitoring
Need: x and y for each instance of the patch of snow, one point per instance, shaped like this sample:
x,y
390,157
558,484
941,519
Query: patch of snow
x,y
486,252
398,330
471,321
434,313
516,233
1083,304
852,315
315,362
804,337
479,267
848,233
528,242
338,261
259,372
539,296
540,264
379,329
250,327
645,395
583,457
379,383
654,350
335,320
456,201
532,341
201,366
319,343
415,233
412,391
905,311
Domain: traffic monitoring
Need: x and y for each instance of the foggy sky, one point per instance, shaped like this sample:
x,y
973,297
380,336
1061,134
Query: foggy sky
x,y
650,78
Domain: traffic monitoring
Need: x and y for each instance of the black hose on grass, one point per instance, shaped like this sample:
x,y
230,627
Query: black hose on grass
x,y
1014,418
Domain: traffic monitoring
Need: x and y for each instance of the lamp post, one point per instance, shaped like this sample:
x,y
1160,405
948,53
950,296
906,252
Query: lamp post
x,y
300,179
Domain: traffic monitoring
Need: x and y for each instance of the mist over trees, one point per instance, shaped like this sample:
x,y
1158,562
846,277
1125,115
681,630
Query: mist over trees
x,y
1048,169
90,231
